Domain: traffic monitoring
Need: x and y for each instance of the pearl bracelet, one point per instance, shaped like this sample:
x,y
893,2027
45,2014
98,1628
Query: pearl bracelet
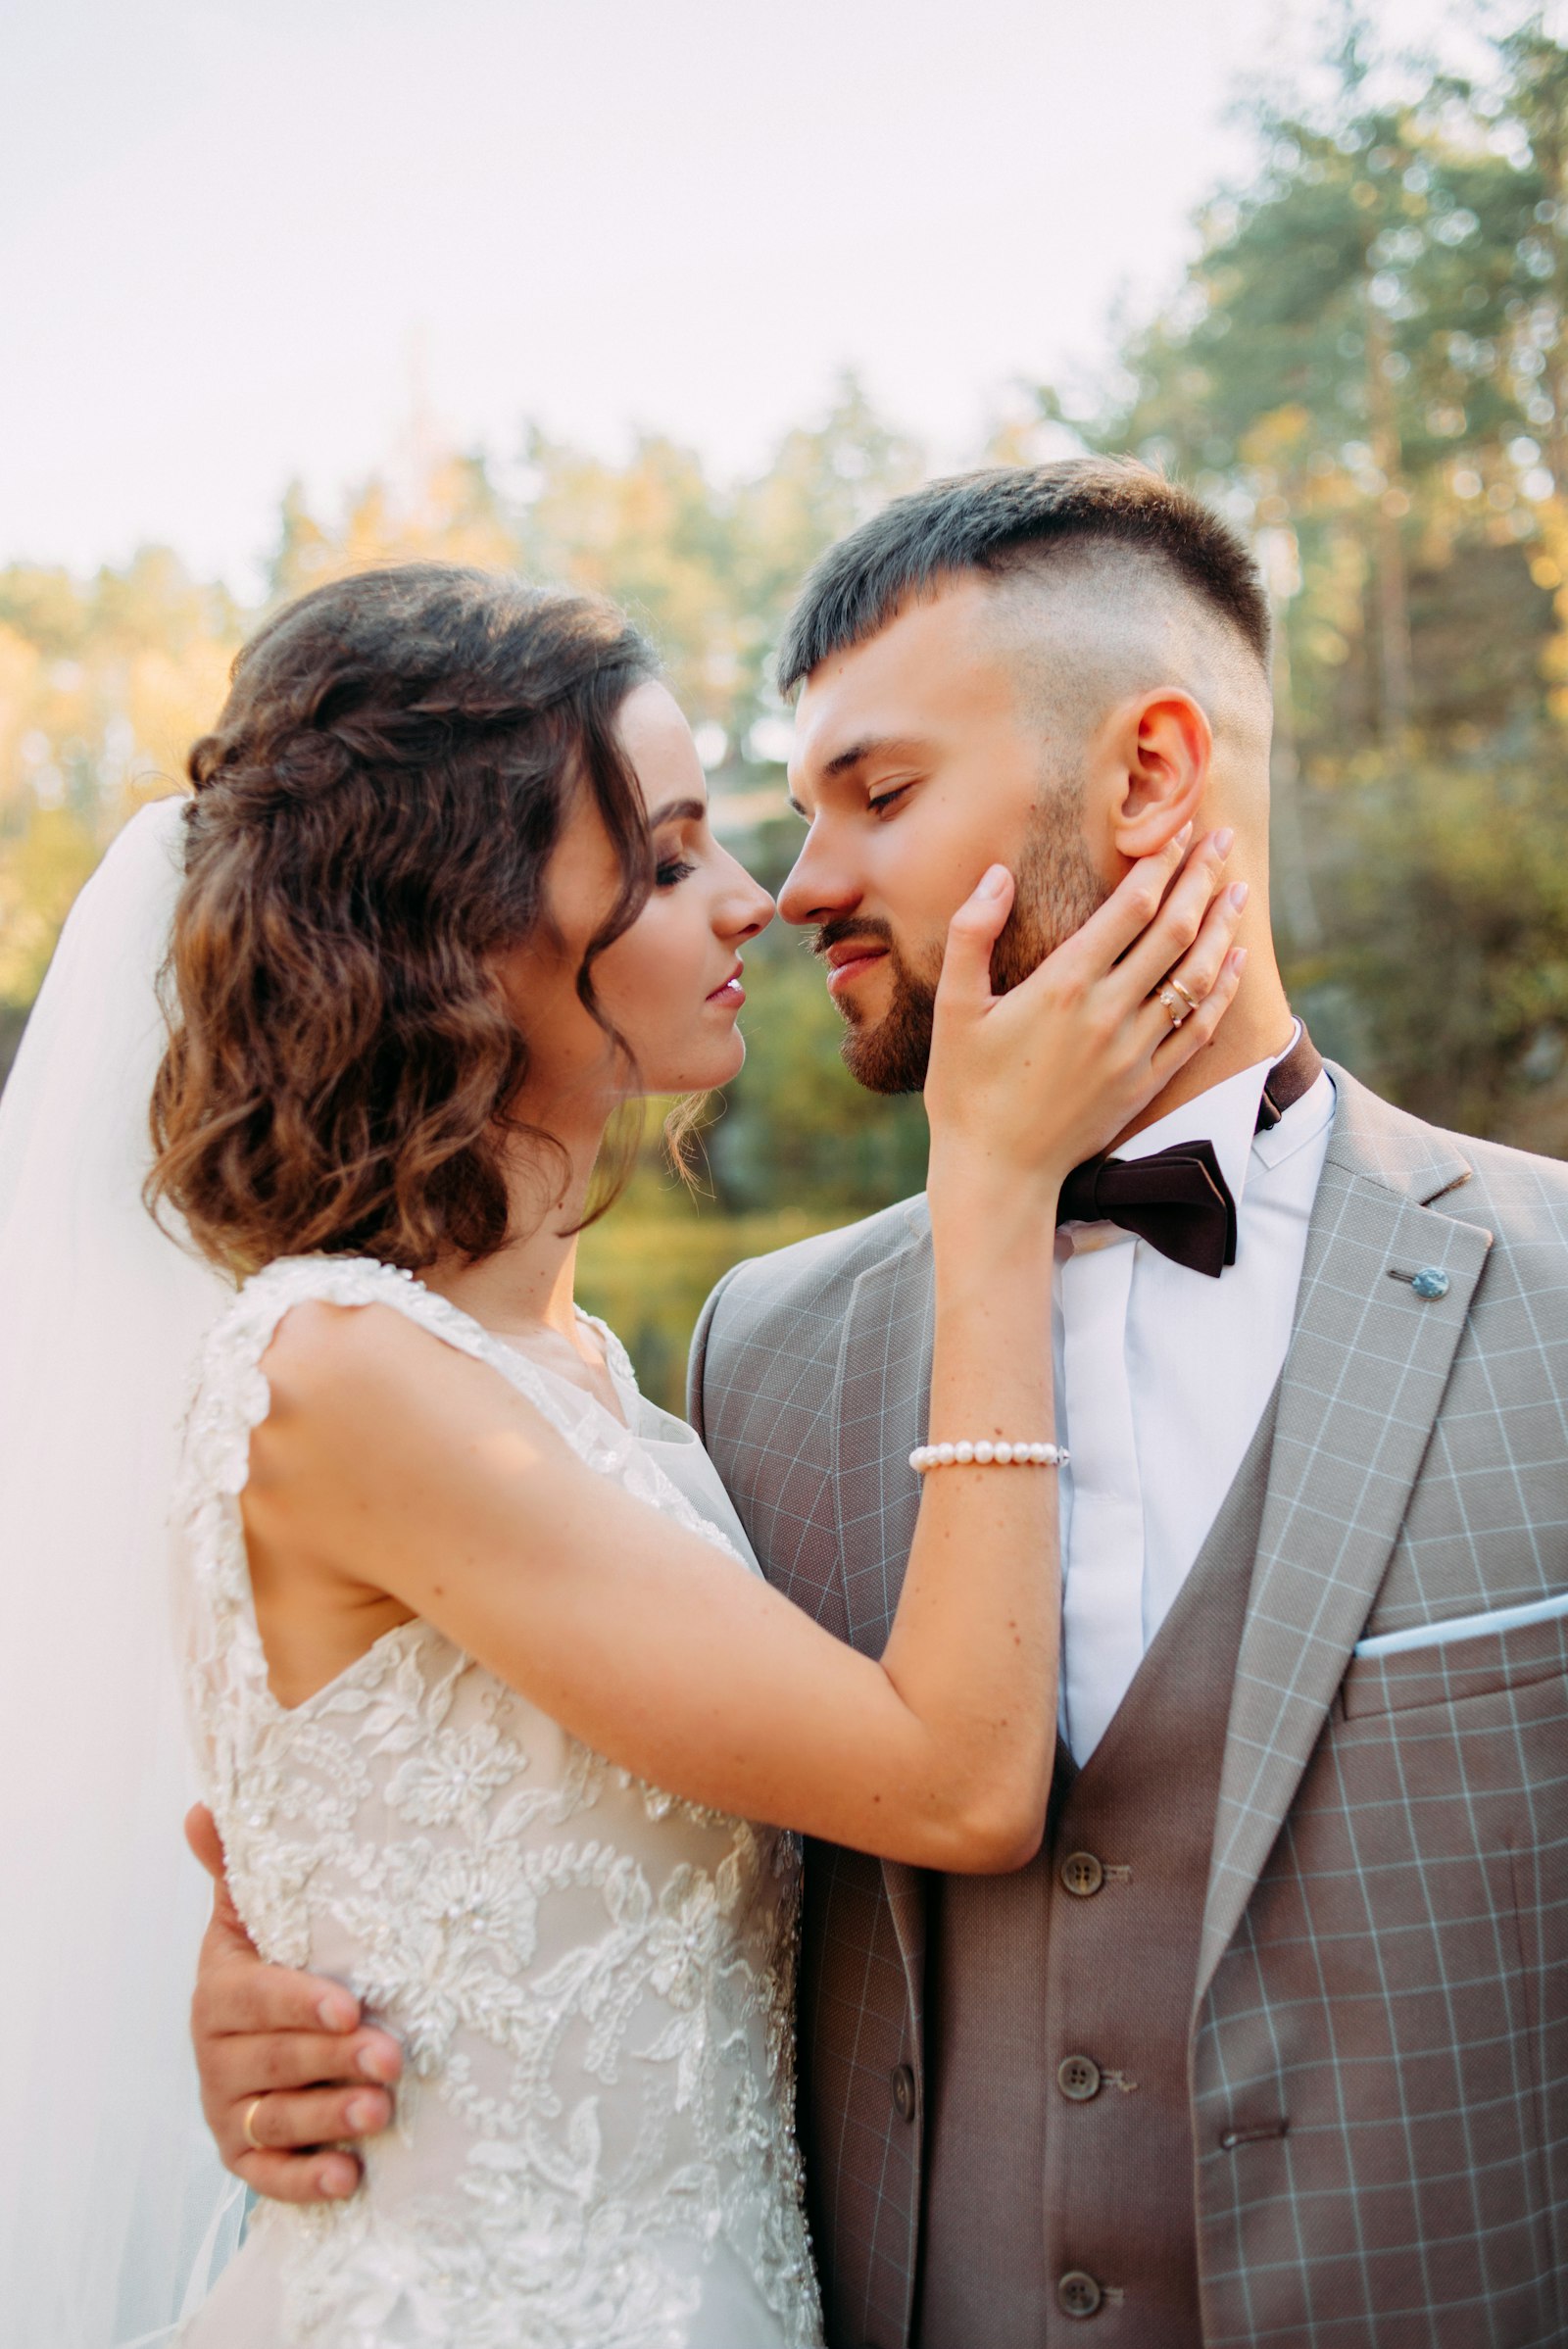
x,y
983,1454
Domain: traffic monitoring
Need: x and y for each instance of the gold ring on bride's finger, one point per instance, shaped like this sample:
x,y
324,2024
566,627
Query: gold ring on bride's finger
x,y
247,2128
1173,1011
1191,1000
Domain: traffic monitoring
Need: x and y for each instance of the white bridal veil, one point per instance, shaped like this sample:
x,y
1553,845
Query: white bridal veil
x,y
112,2208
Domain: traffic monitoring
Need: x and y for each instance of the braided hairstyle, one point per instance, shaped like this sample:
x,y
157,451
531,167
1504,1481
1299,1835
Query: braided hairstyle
x,y
374,810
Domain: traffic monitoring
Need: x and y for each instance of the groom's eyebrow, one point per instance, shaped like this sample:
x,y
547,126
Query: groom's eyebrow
x,y
873,746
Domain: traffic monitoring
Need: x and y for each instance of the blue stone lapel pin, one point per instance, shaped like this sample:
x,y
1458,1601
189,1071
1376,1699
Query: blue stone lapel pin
x,y
1428,1283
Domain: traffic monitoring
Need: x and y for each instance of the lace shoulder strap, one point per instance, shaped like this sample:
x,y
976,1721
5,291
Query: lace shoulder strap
x,y
231,1397
232,1400
230,1380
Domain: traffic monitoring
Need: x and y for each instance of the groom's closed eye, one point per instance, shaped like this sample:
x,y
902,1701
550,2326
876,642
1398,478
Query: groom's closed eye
x,y
881,802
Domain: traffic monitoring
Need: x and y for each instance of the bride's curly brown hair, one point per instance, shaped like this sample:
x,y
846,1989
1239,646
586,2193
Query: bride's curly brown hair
x,y
374,810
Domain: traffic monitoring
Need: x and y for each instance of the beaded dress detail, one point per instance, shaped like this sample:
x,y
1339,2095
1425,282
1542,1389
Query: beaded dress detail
x,y
592,1980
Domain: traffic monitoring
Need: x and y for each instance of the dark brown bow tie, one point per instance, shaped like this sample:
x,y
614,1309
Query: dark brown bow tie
x,y
1177,1199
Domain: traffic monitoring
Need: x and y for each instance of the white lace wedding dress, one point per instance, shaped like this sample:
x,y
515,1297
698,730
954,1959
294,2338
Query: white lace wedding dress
x,y
592,1980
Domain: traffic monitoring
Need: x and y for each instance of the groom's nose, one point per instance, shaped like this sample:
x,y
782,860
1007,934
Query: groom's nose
x,y
819,887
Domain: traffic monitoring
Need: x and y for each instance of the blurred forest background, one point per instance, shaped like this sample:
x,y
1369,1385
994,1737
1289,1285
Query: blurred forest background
x,y
1366,367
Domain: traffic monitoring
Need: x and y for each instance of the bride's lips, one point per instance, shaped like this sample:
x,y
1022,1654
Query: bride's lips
x,y
731,991
847,961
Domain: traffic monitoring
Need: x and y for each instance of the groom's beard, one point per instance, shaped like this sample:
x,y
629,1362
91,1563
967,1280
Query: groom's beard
x,y
1058,889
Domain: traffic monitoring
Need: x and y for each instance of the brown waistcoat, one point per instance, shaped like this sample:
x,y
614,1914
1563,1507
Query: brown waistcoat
x,y
1059,2168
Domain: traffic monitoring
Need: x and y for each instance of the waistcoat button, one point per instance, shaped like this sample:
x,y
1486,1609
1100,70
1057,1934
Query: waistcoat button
x,y
903,2092
1082,1874
1078,2294
1078,2078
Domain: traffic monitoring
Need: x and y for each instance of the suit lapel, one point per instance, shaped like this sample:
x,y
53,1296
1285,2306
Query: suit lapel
x,y
1366,1370
884,1393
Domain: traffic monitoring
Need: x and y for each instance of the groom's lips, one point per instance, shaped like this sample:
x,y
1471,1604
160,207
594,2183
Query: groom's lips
x,y
847,962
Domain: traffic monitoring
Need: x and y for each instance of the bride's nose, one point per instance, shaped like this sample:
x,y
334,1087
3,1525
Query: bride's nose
x,y
746,908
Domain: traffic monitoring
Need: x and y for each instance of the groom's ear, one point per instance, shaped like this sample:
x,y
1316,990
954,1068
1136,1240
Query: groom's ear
x,y
1161,746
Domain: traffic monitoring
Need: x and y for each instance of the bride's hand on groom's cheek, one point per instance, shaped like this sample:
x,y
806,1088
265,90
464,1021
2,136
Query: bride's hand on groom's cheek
x,y
289,2045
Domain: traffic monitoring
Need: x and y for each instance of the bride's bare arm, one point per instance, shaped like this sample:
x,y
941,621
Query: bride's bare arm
x,y
391,1463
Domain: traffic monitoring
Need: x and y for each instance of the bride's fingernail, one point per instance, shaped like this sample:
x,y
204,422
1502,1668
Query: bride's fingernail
x,y
337,2177
1237,959
994,882
1183,836
337,2011
1239,893
1224,841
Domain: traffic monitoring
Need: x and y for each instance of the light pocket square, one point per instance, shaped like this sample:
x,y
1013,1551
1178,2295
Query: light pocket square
x,y
1464,1627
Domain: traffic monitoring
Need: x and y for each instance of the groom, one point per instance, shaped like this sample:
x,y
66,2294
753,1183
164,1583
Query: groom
x,y
1270,2044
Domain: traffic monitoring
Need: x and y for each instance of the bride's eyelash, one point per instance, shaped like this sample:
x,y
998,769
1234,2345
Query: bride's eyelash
x,y
666,876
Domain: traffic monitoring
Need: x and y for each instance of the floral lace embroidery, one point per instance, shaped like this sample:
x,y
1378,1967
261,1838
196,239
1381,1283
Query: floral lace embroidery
x,y
592,1979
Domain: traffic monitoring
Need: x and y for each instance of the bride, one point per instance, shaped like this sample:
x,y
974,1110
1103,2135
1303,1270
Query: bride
x,y
498,1721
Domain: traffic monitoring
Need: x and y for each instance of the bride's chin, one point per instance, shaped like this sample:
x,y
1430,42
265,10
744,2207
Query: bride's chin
x,y
702,1072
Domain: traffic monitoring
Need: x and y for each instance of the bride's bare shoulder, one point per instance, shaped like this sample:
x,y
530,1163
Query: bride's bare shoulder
x,y
328,1355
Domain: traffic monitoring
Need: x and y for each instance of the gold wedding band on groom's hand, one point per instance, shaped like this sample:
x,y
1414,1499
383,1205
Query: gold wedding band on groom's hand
x,y
248,2130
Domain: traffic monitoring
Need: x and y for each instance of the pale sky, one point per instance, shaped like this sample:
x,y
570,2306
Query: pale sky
x,y
228,226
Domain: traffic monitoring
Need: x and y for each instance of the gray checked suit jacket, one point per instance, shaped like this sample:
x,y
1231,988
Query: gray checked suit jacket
x,y
1379,2060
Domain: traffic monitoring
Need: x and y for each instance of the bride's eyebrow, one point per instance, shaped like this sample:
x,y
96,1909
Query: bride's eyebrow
x,y
678,811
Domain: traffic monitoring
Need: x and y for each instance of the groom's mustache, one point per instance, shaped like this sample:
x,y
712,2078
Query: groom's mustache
x,y
838,933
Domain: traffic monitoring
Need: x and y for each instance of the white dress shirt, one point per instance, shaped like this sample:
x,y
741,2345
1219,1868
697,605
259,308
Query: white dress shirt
x,y
1162,1374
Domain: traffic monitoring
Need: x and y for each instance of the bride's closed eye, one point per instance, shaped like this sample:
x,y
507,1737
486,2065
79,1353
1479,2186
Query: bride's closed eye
x,y
677,869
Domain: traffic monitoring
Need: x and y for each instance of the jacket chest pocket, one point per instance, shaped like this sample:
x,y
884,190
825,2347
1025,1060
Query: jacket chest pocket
x,y
1500,1656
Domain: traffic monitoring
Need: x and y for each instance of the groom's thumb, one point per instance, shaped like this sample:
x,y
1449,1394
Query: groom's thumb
x,y
972,933
201,1833
226,1931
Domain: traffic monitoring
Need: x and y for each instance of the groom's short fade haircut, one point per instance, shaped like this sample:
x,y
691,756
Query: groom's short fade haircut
x,y
1008,521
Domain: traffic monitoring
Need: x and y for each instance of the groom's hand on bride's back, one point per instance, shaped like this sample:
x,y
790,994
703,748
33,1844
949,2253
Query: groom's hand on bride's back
x,y
290,2045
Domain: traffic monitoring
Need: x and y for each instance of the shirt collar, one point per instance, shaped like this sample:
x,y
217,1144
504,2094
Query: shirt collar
x,y
1227,1113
